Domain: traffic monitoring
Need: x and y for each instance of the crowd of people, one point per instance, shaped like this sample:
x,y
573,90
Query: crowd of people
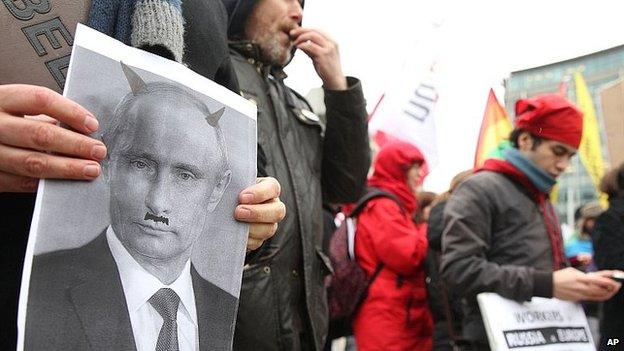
x,y
495,230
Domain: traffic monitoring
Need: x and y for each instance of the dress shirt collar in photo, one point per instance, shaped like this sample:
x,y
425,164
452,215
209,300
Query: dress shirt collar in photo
x,y
139,286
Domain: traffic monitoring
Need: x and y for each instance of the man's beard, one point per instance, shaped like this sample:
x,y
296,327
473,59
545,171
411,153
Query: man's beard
x,y
273,52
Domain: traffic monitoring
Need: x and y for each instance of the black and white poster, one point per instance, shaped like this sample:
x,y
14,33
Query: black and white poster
x,y
148,256
541,324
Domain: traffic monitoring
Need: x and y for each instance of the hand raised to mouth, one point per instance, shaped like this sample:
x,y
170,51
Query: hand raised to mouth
x,y
156,219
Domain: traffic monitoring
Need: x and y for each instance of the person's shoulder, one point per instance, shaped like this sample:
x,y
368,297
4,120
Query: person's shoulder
x,y
56,263
213,301
484,177
58,256
485,182
67,261
610,219
481,188
208,287
382,205
53,272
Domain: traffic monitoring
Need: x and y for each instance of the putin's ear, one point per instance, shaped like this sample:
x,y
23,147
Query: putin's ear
x,y
219,190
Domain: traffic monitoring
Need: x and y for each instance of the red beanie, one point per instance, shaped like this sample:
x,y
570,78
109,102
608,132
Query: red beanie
x,y
552,117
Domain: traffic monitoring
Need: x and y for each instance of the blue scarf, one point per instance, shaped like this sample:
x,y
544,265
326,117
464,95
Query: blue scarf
x,y
141,23
538,177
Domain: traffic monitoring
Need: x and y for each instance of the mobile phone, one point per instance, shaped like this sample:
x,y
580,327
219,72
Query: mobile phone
x,y
618,277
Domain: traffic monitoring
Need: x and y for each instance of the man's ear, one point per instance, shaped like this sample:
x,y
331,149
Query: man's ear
x,y
219,190
525,141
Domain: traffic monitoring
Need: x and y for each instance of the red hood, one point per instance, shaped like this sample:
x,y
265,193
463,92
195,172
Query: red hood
x,y
390,174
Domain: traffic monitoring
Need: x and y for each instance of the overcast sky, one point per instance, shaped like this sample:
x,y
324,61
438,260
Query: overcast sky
x,y
476,44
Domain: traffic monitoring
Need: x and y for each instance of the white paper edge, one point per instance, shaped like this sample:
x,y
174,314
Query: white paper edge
x,y
488,328
93,40
30,248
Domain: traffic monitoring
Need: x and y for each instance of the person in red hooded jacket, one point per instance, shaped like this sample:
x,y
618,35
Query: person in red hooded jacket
x,y
395,314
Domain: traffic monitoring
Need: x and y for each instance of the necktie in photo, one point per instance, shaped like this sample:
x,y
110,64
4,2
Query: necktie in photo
x,y
165,301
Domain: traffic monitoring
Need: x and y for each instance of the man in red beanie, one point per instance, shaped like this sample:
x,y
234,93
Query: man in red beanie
x,y
502,235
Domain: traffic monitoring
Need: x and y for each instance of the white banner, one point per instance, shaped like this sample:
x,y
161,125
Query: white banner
x,y
406,113
542,324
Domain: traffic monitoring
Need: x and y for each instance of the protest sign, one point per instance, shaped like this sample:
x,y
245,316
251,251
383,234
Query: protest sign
x,y
541,324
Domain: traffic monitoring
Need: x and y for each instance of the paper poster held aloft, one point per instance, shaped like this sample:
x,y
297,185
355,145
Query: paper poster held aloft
x,y
147,256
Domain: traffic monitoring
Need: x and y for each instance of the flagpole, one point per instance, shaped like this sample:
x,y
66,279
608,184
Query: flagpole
x,y
370,115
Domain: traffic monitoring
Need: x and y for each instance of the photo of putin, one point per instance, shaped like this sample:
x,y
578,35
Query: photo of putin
x,y
134,286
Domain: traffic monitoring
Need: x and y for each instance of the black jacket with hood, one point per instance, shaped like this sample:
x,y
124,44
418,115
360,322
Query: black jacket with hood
x,y
283,302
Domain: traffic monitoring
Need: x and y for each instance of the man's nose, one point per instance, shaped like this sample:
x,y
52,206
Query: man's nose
x,y
562,164
296,11
157,200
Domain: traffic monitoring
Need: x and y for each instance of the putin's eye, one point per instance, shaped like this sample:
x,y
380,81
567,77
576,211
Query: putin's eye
x,y
140,165
184,175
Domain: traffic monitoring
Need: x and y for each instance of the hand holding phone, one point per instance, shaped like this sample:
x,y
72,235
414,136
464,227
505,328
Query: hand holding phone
x,y
618,276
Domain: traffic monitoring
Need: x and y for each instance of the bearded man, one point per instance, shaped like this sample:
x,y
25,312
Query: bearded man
x,y
313,160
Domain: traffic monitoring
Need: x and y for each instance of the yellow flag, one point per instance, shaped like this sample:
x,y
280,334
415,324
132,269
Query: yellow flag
x,y
590,150
554,194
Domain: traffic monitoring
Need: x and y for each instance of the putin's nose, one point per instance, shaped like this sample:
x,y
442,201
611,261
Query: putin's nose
x,y
157,200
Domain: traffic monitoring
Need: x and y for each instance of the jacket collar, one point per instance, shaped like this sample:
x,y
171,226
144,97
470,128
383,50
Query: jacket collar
x,y
506,168
251,51
538,177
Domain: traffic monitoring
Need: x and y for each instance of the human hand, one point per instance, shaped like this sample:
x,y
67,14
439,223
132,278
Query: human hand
x,y
323,51
574,285
29,132
260,206
584,258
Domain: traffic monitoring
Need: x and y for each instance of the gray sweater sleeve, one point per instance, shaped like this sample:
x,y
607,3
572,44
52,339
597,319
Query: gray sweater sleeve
x,y
468,238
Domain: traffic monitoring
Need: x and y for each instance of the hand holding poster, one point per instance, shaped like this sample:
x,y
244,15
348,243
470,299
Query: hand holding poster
x,y
542,324
148,256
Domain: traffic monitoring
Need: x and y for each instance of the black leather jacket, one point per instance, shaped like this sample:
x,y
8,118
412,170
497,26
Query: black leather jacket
x,y
283,302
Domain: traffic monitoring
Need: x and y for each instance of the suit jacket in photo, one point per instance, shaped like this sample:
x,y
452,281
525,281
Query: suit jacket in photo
x,y
76,302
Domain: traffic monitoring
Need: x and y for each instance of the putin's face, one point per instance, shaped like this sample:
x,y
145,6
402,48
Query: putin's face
x,y
165,175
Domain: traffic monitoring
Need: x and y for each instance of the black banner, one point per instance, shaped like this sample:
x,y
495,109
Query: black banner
x,y
545,336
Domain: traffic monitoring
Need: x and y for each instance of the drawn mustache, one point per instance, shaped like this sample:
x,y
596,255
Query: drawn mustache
x,y
156,219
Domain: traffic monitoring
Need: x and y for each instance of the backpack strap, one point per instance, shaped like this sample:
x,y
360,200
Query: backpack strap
x,y
375,273
369,282
373,193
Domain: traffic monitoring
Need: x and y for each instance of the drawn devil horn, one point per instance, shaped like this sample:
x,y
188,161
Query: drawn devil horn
x,y
136,83
213,118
